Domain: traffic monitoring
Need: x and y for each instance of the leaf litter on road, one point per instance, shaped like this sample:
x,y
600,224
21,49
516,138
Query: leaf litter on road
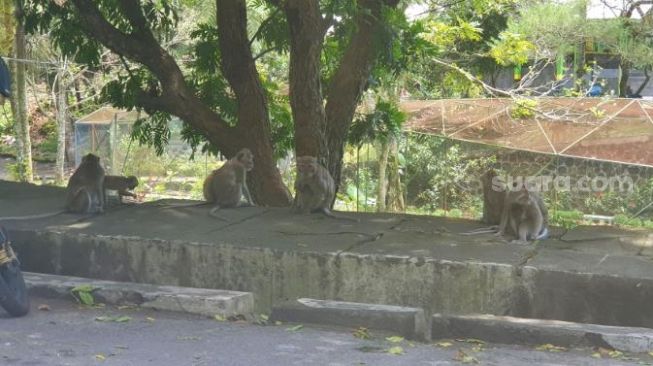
x,y
361,333
296,328
464,357
548,347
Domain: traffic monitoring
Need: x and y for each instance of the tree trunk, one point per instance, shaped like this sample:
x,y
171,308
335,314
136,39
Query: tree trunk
x,y
348,83
383,181
623,80
306,38
19,103
395,188
60,102
253,129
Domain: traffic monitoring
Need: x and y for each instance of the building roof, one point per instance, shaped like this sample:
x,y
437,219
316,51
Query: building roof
x,y
106,114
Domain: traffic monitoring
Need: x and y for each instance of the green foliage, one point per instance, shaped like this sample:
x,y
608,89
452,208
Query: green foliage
x,y
511,49
458,85
566,219
440,175
448,35
84,294
523,108
385,121
553,26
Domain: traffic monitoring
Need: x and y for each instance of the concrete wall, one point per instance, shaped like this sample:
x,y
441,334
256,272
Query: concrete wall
x,y
277,276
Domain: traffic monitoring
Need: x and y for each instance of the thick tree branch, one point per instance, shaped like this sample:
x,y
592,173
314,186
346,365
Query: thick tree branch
x,y
348,82
306,99
265,52
134,13
145,50
239,68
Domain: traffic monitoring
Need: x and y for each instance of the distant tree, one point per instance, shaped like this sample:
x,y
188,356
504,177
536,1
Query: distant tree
x,y
19,99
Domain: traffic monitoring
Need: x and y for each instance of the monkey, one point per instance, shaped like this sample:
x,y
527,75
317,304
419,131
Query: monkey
x,y
494,210
122,185
314,188
524,216
85,190
225,186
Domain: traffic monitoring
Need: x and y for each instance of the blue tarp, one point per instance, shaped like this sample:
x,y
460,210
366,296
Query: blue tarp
x,y
5,79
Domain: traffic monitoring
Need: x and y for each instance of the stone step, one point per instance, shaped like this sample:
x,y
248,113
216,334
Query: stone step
x,y
200,301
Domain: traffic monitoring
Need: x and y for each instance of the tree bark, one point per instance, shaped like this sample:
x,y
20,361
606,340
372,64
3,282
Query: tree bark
x,y
61,105
19,102
306,38
253,129
179,99
349,80
623,80
395,188
383,181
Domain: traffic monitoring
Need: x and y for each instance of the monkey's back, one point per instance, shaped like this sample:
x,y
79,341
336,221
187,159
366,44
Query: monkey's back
x,y
222,186
329,187
87,180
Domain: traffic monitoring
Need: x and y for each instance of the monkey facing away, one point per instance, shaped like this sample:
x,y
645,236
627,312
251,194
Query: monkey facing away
x,y
315,189
225,186
508,211
85,190
84,193
120,184
524,216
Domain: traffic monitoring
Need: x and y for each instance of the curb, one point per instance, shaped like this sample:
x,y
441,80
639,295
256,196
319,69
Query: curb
x,y
511,330
410,323
207,302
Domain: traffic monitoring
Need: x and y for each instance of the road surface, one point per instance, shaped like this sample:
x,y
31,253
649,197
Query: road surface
x,y
67,334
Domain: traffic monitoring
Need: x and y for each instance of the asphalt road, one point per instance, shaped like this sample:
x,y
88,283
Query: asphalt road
x,y
69,335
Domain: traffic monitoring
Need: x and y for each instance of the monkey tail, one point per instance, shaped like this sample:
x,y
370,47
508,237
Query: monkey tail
x,y
483,230
544,234
214,213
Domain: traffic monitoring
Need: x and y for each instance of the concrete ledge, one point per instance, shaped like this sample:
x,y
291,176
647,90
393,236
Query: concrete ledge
x,y
504,329
408,322
183,299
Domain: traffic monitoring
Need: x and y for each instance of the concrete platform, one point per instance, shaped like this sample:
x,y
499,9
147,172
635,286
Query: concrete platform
x,y
592,274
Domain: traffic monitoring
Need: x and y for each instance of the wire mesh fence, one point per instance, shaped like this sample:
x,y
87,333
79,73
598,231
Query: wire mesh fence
x,y
589,158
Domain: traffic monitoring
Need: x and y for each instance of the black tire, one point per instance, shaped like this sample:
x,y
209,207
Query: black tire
x,y
13,292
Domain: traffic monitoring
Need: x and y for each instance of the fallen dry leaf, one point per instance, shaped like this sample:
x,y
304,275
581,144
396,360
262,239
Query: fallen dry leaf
x,y
395,339
397,350
444,344
550,347
362,333
462,356
44,307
